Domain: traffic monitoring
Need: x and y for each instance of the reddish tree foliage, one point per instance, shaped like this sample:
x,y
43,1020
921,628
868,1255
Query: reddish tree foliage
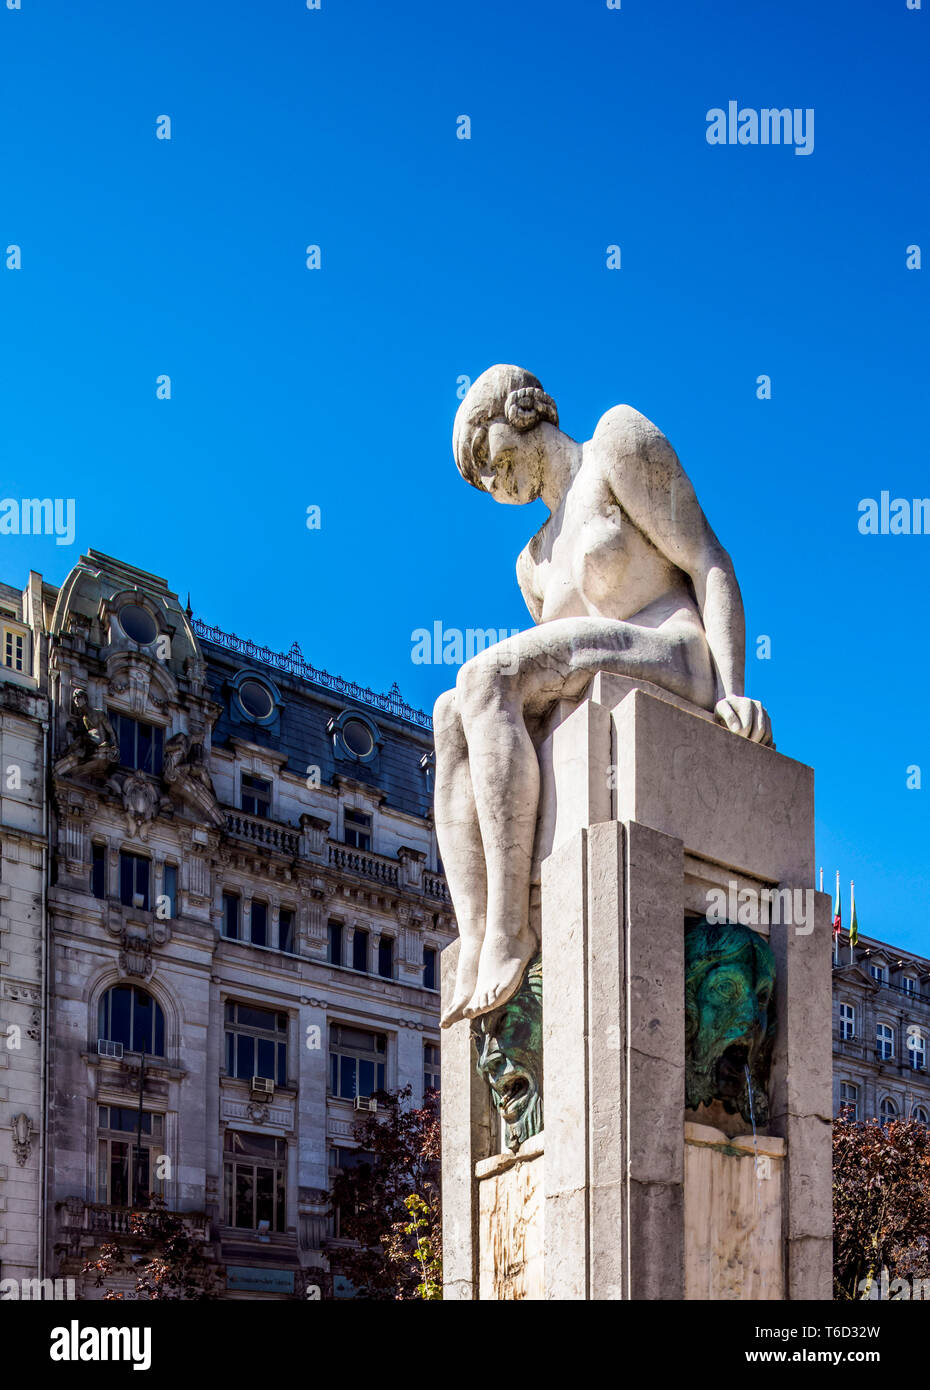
x,y
881,1203
399,1157
172,1264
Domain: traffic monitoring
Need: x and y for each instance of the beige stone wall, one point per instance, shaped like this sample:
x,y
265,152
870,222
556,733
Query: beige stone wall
x,y
510,1225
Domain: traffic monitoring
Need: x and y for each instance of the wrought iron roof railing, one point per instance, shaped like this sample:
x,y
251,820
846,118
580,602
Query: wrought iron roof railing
x,y
293,664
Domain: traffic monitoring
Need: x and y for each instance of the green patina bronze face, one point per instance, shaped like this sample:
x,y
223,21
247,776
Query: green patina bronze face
x,y
729,1018
509,1043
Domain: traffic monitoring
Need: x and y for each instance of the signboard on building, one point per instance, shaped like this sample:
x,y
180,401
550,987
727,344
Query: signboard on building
x,y
247,1279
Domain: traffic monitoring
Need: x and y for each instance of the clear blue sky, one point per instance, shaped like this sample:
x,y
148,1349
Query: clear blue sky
x,y
441,256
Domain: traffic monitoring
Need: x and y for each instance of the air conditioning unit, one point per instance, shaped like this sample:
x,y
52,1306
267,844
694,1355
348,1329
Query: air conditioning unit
x,y
262,1086
366,1103
105,1048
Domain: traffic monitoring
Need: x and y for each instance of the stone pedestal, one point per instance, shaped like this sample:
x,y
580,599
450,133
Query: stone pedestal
x,y
650,811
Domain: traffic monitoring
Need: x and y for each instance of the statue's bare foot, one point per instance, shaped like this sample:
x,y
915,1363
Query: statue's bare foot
x,y
503,961
465,980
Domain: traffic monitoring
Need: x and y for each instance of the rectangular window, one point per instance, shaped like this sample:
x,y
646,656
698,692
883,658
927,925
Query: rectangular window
x,y
429,967
231,916
847,1022
360,949
98,870
430,1067
134,881
849,1099
356,1061
917,1052
14,650
256,1043
259,923
255,1180
884,1039
285,929
357,829
386,957
256,796
335,943
141,745
170,889
878,973
909,984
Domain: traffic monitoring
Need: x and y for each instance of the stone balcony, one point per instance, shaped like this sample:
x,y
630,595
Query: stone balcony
x,y
83,1224
258,831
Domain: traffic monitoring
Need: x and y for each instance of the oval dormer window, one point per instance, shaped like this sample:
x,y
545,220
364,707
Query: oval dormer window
x,y
256,699
358,738
138,624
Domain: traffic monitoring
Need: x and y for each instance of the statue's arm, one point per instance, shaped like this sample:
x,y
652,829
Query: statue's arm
x,y
525,576
652,487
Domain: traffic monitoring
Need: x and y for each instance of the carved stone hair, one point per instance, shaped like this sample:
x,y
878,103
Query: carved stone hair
x,y
502,392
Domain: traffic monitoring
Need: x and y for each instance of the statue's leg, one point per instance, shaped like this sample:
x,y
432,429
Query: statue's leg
x,y
494,692
460,846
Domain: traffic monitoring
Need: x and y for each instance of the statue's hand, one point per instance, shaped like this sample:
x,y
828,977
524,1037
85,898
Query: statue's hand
x,y
745,717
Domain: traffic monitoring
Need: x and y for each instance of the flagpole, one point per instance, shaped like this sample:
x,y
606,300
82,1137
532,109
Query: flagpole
x,y
852,917
837,922
821,878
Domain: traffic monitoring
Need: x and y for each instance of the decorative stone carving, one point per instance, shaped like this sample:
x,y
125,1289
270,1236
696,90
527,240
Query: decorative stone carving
x,y
23,1131
185,772
624,576
93,746
729,1018
141,801
509,1043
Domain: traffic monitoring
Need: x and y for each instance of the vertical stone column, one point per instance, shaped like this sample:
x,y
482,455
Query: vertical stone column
x,y
613,990
469,1134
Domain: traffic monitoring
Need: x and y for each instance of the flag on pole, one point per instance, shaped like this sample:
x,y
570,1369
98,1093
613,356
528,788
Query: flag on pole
x,y
838,909
854,924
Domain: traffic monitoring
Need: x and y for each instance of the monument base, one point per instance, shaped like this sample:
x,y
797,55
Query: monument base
x,y
651,813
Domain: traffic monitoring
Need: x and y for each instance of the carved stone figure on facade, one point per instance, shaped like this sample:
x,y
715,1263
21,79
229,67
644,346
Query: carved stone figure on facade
x,y
93,745
141,801
624,576
509,1043
184,770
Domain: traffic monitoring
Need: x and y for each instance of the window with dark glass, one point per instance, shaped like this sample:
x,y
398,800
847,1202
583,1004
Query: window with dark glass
x,y
141,745
170,889
335,943
231,916
360,949
430,1066
256,699
357,826
256,796
98,870
429,967
123,1173
259,923
130,1016
256,1043
134,879
356,1061
386,957
285,929
14,650
255,1180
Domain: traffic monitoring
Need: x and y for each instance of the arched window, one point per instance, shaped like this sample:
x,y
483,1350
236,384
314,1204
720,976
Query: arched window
x,y
920,1115
130,1016
888,1110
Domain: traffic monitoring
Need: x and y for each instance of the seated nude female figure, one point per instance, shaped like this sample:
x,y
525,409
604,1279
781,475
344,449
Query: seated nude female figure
x,y
626,576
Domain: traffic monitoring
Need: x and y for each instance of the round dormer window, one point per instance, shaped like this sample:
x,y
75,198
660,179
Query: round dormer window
x,y
256,699
138,624
358,738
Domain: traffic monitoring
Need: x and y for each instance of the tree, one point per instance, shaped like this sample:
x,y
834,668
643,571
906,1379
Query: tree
x,y
173,1265
881,1203
388,1201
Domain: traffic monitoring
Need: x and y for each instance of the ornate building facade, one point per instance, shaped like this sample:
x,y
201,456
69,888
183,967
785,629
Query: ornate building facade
x,y
881,1032
244,916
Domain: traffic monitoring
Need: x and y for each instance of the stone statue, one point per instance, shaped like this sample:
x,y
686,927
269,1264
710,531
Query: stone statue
x,y
184,770
93,744
729,1018
509,1043
624,576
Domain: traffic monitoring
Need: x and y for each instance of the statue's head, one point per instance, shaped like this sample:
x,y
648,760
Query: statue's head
x,y
502,432
79,700
509,1043
729,1018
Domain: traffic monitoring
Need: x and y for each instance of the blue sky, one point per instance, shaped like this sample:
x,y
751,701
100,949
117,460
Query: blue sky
x,y
441,256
